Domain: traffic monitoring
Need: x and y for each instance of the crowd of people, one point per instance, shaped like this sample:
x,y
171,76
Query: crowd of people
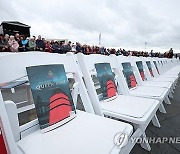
x,y
20,43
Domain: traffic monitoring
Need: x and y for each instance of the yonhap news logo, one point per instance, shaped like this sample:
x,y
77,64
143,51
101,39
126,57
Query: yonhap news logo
x,y
121,139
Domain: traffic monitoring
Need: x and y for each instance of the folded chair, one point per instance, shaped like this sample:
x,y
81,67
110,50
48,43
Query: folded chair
x,y
125,68
115,102
86,133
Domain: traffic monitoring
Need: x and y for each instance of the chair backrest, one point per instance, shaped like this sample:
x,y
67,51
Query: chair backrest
x,y
139,69
156,66
12,67
87,64
149,68
133,70
160,65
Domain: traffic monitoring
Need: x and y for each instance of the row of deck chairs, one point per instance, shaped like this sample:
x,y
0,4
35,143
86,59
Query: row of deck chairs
x,y
115,113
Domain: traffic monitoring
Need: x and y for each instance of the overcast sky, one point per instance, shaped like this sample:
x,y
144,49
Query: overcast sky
x,y
122,23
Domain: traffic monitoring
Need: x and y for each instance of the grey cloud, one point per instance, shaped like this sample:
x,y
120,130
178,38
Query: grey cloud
x,y
122,23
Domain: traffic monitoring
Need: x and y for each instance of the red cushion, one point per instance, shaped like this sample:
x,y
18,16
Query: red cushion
x,y
2,146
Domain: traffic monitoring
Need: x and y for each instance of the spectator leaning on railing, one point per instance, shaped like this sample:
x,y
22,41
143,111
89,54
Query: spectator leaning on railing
x,y
4,43
32,44
40,45
13,44
48,46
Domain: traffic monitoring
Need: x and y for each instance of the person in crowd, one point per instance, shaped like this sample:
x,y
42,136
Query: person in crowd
x,y
73,48
171,54
62,49
34,38
44,40
118,52
6,39
24,43
2,43
97,50
83,49
32,44
20,44
40,45
56,47
151,53
68,47
102,51
52,42
17,37
78,47
48,47
90,49
87,50
13,44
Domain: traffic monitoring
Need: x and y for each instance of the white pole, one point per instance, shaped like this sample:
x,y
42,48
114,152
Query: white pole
x,y
145,45
100,39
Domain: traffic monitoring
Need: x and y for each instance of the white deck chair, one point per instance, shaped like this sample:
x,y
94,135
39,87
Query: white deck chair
x,y
168,67
143,78
158,93
138,111
87,133
156,77
169,63
171,75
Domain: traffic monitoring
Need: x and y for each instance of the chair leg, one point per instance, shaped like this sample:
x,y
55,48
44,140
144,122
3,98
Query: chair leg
x,y
167,101
155,121
170,94
162,109
145,145
174,86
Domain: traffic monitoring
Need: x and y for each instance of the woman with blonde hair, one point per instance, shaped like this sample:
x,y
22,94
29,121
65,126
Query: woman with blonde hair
x,y
13,44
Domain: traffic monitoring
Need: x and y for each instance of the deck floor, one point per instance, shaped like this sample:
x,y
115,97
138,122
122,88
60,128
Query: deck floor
x,y
170,127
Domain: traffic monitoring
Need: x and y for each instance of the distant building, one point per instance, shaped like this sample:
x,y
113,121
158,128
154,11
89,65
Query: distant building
x,y
13,27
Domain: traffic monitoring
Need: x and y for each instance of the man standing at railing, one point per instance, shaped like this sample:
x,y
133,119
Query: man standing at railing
x,y
40,45
170,53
